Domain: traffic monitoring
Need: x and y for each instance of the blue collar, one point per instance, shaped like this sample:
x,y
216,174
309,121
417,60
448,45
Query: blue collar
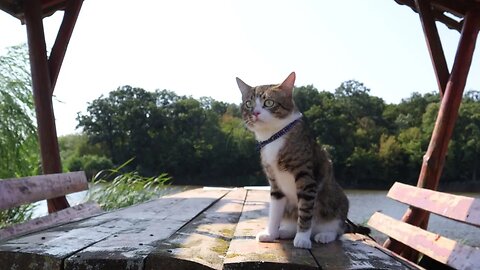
x,y
277,135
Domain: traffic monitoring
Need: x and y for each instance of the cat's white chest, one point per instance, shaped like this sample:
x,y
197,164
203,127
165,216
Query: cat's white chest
x,y
285,180
271,150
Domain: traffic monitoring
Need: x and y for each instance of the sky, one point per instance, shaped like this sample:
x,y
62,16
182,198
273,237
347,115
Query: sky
x,y
197,48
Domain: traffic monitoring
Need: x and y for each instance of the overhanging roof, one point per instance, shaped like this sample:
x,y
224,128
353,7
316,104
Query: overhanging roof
x,y
16,7
449,12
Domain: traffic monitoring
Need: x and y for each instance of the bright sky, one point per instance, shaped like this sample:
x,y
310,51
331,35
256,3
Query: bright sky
x,y
197,48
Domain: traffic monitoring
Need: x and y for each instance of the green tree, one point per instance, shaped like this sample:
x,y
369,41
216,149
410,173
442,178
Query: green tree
x,y
205,141
164,133
306,97
121,123
75,146
463,157
349,122
18,139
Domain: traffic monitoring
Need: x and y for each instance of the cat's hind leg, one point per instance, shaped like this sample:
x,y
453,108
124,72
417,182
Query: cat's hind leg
x,y
288,229
327,231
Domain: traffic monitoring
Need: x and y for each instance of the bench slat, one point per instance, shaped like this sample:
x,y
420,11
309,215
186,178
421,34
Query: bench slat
x,y
460,208
19,191
61,217
442,249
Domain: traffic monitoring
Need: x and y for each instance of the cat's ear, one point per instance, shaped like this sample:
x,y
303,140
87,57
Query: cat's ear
x,y
244,88
288,83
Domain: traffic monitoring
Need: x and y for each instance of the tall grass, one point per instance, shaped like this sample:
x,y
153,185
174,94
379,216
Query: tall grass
x,y
126,188
16,215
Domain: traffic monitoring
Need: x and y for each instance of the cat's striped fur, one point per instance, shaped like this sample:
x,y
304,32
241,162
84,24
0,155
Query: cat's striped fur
x,y
306,201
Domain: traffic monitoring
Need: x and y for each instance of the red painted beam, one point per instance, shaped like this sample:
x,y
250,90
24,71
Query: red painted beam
x,y
41,85
63,37
434,43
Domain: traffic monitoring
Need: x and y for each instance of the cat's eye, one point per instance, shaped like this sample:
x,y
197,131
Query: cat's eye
x,y
268,103
249,104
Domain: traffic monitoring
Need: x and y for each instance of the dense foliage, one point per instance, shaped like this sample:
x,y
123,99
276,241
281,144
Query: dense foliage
x,y
204,141
18,139
195,141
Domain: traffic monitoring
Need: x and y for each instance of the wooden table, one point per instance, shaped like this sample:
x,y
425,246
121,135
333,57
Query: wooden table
x,y
196,229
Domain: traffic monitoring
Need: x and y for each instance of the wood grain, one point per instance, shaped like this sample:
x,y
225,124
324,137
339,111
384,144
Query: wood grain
x,y
456,207
203,242
144,226
77,212
120,238
442,249
19,191
246,253
352,252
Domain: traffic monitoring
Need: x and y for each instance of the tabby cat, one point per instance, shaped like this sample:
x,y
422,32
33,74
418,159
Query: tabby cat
x,y
306,201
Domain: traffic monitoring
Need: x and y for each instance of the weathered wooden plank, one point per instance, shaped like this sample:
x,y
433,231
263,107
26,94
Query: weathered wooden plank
x,y
352,252
433,245
15,192
246,253
203,242
77,212
460,208
362,239
148,224
47,249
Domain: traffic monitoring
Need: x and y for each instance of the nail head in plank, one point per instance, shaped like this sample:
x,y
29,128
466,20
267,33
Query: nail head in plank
x,y
47,249
246,253
77,212
203,242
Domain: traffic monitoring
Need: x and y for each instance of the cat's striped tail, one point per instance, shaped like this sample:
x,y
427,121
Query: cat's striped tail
x,y
351,227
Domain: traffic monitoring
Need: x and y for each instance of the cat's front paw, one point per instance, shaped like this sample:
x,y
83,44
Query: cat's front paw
x,y
302,240
265,236
325,237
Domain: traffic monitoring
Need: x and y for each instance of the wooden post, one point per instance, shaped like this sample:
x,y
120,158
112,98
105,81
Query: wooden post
x,y
42,90
434,158
61,42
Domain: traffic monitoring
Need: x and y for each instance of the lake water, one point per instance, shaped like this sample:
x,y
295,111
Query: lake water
x,y
363,203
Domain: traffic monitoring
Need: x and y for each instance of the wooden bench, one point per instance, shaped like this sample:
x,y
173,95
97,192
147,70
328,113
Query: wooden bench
x,y
19,191
446,251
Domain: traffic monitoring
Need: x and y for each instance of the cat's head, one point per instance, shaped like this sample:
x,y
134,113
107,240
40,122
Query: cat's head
x,y
268,107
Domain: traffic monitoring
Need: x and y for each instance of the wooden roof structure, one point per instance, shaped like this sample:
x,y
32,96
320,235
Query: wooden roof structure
x,y
17,8
449,12
460,15
463,16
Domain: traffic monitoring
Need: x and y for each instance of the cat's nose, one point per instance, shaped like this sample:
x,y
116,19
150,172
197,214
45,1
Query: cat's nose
x,y
256,113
